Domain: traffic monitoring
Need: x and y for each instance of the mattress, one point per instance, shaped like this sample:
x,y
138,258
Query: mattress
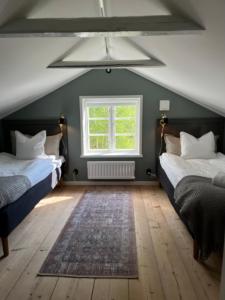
x,y
35,170
177,167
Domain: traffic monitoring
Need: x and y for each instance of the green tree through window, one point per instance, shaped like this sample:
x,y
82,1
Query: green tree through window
x,y
111,125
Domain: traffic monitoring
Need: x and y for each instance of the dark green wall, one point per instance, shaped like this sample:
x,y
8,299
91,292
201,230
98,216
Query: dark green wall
x,y
119,82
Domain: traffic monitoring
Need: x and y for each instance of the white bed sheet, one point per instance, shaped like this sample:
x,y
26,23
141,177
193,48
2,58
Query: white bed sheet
x,y
36,170
177,167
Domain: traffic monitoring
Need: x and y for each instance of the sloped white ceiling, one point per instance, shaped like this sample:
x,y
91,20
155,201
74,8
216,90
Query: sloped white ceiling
x,y
23,73
195,64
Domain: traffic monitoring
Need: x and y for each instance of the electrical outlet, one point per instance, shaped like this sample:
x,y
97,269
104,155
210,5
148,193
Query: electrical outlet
x,y
148,171
75,172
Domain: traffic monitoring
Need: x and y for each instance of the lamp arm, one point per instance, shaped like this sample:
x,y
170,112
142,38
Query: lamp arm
x,y
161,136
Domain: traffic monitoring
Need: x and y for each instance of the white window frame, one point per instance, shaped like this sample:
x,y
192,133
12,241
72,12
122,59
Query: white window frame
x,y
86,101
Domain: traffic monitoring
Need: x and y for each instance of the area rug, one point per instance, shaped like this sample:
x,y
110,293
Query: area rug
x,y
98,240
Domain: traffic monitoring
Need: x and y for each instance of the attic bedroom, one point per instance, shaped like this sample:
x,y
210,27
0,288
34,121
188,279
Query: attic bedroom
x,y
112,149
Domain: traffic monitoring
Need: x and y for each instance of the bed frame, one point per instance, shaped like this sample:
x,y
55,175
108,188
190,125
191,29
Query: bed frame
x,y
196,127
12,214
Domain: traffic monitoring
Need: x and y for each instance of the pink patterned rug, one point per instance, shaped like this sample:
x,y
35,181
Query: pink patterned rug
x,y
98,240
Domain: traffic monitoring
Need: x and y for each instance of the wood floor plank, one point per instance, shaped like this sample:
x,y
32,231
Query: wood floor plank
x,y
64,289
199,274
84,289
118,289
44,289
177,283
167,270
20,260
148,267
73,288
135,290
101,289
23,230
28,282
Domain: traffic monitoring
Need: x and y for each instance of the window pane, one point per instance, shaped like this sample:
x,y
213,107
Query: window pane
x,y
99,142
125,142
125,126
98,126
124,111
98,112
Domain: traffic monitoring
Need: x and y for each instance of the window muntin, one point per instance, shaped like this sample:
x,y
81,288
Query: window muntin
x,y
111,125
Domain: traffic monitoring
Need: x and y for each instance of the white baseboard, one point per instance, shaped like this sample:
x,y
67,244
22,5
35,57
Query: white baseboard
x,y
92,182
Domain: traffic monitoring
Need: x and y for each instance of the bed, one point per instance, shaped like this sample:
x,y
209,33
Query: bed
x,y
172,169
43,174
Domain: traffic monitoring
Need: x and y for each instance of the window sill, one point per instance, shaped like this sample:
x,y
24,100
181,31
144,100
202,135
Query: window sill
x,y
111,155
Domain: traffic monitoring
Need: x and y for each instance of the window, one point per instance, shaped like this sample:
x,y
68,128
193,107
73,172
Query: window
x,y
111,126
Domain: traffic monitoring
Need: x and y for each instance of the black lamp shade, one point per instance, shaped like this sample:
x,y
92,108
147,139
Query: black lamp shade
x,y
62,120
165,120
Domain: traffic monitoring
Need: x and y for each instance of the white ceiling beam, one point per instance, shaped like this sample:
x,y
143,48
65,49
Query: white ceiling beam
x,y
103,14
100,27
103,64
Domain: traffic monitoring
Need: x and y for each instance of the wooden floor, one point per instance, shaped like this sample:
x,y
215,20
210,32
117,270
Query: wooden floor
x,y
166,267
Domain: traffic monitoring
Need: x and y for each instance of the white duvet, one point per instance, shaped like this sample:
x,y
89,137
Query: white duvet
x,y
36,170
177,167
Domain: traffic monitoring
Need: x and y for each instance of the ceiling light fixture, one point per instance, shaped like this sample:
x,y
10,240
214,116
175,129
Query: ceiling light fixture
x,y
108,70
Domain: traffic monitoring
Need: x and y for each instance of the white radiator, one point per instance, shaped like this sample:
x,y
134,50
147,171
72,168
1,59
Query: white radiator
x,y
111,169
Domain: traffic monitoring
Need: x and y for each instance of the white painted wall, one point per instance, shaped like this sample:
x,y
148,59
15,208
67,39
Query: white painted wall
x,y
195,64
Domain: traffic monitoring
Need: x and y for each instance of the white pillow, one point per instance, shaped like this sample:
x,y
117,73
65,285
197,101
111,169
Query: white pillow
x,y
172,144
52,144
13,141
191,147
30,147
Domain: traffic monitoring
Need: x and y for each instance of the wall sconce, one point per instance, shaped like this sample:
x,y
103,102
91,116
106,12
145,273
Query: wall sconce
x,y
164,105
61,119
163,122
61,122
